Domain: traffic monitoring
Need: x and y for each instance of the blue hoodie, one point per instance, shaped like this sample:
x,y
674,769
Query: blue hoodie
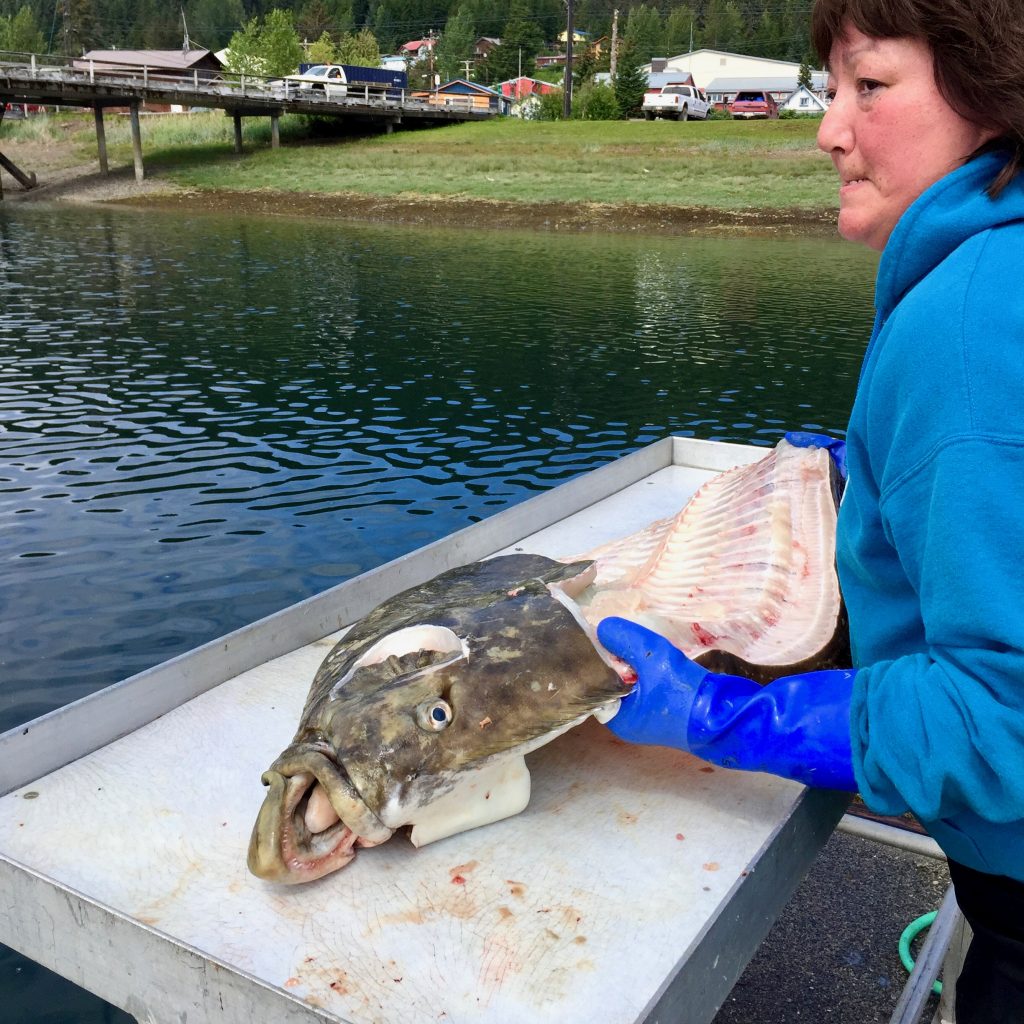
x,y
931,530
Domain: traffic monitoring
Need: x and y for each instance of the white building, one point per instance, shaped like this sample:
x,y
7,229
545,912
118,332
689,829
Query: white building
x,y
722,74
803,101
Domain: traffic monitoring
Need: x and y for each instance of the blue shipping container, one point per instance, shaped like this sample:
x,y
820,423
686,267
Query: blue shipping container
x,y
355,74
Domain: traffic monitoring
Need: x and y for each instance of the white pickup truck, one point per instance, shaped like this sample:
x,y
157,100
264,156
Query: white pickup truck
x,y
679,102
326,79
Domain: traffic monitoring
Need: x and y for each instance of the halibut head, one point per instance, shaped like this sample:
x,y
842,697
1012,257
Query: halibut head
x,y
422,713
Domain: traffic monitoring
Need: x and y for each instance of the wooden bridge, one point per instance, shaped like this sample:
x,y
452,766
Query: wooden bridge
x,y
46,80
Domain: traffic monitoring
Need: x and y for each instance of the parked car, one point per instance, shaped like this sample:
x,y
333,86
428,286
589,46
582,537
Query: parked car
x,y
753,103
679,102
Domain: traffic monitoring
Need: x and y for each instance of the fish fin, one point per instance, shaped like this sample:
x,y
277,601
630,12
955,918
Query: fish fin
x,y
497,790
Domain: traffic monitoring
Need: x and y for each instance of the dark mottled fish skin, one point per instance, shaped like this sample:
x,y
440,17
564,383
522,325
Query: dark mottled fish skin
x,y
531,670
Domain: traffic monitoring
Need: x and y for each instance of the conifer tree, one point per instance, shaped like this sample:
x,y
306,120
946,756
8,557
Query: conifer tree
x,y
644,34
680,30
455,46
313,19
724,27
630,83
211,23
521,41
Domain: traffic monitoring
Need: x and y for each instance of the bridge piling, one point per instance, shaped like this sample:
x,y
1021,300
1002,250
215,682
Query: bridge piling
x,y
238,131
140,171
275,132
26,181
101,138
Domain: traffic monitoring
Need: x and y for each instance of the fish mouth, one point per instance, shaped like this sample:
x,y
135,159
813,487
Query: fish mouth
x,y
311,821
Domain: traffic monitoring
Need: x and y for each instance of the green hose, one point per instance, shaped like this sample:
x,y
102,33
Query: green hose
x,y
909,934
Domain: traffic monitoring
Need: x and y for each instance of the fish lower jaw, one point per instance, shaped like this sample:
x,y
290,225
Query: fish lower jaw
x,y
283,848
307,856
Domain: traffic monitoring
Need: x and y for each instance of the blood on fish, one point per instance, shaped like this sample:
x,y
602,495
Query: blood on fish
x,y
702,635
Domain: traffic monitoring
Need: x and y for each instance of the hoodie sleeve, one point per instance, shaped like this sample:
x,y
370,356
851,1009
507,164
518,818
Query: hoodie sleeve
x,y
942,732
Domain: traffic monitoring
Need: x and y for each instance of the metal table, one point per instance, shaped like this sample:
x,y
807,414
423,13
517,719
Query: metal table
x,y
635,886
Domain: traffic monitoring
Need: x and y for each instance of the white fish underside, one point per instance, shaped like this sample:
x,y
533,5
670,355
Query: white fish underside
x,y
747,566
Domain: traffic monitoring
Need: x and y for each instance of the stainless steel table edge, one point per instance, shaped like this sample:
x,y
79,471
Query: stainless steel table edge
x,y
709,968
76,936
34,749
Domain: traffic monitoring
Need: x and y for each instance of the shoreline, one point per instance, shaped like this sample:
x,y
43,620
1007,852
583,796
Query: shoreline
x,y
119,188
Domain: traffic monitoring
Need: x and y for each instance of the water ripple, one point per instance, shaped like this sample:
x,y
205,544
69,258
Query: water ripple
x,y
219,423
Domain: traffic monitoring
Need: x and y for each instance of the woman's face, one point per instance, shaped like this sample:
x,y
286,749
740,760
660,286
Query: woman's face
x,y
889,131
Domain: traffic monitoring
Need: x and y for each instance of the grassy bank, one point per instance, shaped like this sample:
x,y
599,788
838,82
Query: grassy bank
x,y
724,165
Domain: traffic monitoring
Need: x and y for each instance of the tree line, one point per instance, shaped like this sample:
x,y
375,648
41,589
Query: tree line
x,y
358,31
768,28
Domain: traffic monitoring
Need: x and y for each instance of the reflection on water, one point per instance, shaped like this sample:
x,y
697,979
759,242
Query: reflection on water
x,y
205,419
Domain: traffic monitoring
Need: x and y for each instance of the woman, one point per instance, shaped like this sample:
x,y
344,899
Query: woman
x,y
926,131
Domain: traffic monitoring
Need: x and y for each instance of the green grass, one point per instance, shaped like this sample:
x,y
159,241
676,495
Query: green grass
x,y
720,164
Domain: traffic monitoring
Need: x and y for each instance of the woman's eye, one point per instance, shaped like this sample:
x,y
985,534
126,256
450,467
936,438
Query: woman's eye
x,y
435,716
865,85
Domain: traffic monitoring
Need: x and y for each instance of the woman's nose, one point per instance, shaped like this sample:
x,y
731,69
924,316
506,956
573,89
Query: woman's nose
x,y
834,132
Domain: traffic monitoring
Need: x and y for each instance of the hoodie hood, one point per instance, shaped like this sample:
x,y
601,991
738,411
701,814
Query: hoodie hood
x,y
943,217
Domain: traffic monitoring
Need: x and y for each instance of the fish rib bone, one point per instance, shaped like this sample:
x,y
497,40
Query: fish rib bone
x,y
747,566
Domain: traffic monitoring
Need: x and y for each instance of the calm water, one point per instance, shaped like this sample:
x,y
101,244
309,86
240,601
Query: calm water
x,y
204,419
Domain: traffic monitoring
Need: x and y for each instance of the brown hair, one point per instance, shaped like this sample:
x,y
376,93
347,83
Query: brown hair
x,y
977,51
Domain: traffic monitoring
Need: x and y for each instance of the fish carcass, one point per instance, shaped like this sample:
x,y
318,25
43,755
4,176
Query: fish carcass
x,y
421,715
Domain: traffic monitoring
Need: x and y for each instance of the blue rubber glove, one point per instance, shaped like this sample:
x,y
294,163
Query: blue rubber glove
x,y
797,727
836,447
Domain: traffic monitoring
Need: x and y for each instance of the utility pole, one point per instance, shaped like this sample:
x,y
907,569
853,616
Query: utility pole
x,y
615,43
567,79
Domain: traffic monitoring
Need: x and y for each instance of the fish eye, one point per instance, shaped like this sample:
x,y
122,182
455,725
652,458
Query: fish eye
x,y
435,716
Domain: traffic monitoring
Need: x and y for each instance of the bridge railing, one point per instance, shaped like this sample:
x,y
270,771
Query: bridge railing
x,y
57,67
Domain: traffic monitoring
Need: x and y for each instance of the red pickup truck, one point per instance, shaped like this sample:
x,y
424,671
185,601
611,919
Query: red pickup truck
x,y
752,103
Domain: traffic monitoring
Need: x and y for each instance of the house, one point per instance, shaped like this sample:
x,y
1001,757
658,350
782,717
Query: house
x,y
417,49
658,79
177,63
577,36
465,95
803,101
525,94
483,46
393,62
519,88
549,60
707,66
722,91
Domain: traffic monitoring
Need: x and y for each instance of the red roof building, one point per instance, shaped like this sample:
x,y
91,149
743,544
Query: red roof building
x,y
520,88
417,48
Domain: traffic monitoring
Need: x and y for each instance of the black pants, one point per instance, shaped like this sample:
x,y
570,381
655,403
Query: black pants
x,y
990,989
